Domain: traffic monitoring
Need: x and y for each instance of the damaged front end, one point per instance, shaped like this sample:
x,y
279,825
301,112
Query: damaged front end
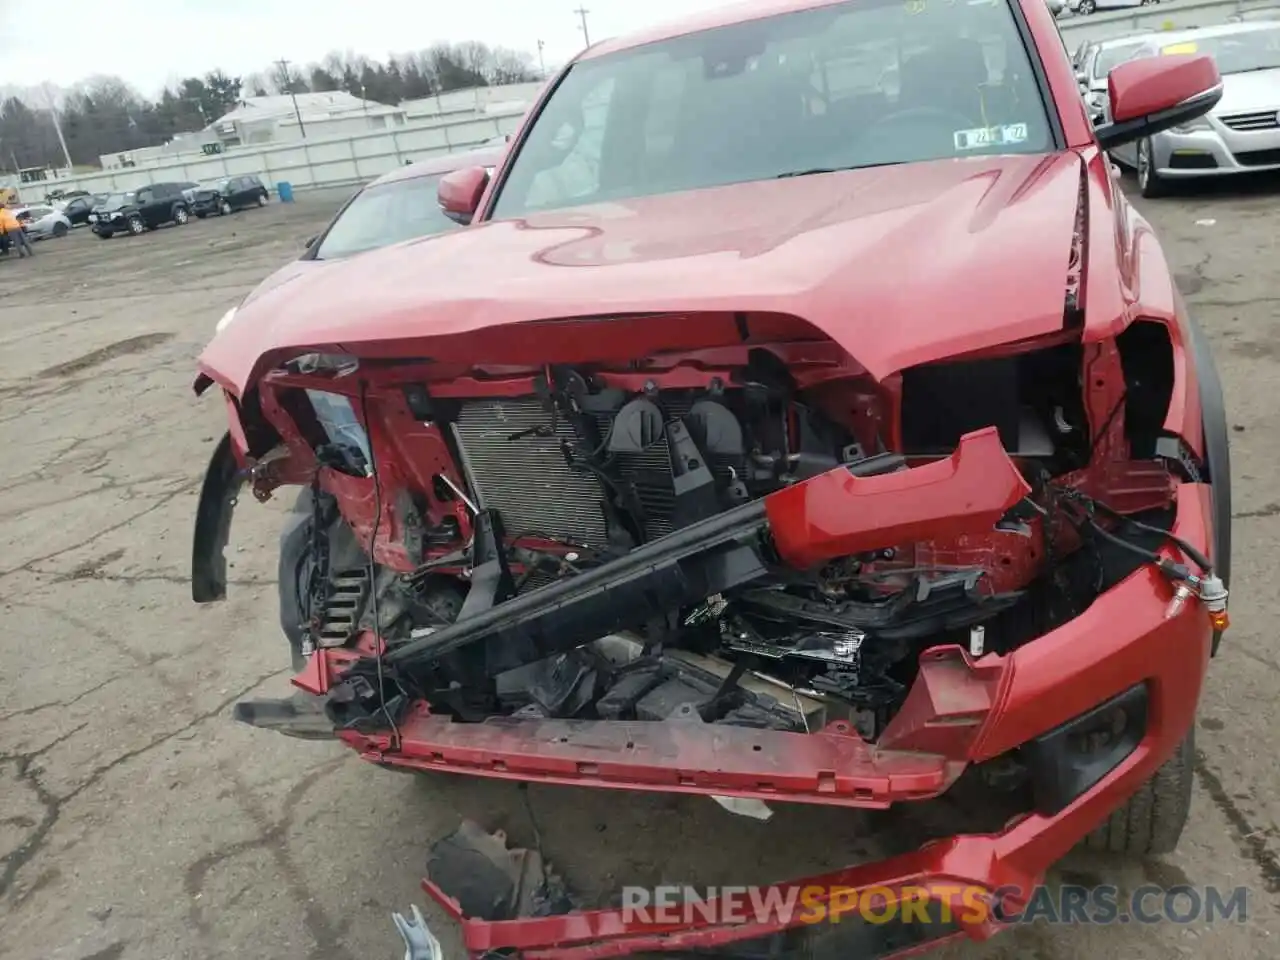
x,y
740,567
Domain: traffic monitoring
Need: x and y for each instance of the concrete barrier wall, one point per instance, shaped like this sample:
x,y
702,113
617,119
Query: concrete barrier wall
x,y
309,164
1175,15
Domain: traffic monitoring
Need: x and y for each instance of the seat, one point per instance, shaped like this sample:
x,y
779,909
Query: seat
x,y
949,76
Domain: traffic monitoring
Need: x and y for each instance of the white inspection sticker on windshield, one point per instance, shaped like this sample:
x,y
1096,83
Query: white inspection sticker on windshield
x,y
998,136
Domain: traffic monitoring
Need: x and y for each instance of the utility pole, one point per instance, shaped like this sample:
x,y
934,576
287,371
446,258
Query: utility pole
x,y
195,102
582,15
542,63
57,125
288,82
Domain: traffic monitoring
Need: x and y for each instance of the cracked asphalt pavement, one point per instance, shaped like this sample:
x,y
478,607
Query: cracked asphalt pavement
x,y
138,821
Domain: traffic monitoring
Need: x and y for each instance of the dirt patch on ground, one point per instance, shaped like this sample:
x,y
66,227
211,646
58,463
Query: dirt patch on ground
x,y
121,348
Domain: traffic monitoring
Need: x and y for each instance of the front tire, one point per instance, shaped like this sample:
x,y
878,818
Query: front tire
x,y
180,215
1151,822
60,229
224,207
1087,7
136,226
262,199
1150,183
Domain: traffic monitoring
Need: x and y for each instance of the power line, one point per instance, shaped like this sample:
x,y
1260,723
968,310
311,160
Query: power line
x,y
288,82
582,15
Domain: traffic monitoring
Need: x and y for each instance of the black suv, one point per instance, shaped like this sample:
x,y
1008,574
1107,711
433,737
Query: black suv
x,y
141,209
227,194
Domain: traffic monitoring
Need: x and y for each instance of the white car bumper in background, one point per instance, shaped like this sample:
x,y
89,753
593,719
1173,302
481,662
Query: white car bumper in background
x,y
1236,143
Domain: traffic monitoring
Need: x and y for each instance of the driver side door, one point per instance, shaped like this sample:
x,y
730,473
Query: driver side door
x,y
145,200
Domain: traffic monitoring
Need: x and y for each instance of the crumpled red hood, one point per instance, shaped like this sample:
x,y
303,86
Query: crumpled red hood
x,y
899,265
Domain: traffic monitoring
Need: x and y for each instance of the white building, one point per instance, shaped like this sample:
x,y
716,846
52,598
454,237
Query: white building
x,y
276,118
505,99
183,146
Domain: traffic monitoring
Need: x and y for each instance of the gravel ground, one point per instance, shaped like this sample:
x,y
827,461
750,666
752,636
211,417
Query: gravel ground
x,y
137,821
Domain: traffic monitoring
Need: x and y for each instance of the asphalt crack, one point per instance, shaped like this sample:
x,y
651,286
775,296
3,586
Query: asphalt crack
x,y
272,837
1270,510
1250,840
1258,658
82,573
51,808
53,805
51,704
111,528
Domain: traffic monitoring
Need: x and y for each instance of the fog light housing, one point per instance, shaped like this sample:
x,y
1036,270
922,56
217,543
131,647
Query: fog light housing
x,y
1072,759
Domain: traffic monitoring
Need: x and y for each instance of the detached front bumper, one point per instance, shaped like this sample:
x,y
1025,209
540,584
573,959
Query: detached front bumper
x,y
1123,650
1121,644
1130,650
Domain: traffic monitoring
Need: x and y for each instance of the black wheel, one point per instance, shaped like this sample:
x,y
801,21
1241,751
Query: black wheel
x,y
136,226
1152,821
224,207
180,215
262,199
1087,7
1150,183
60,229
295,570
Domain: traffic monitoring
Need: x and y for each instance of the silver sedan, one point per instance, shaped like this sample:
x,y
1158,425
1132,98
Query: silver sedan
x,y
42,222
1239,135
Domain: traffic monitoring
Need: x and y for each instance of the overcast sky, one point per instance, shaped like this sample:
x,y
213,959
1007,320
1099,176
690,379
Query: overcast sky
x,y
152,43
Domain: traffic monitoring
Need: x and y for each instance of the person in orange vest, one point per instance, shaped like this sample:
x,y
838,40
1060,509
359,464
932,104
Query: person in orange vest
x,y
13,230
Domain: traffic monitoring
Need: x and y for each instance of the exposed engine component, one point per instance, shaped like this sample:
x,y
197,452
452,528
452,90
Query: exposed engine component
x,y
594,467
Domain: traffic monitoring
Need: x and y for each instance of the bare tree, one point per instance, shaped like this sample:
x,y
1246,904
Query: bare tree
x,y
510,66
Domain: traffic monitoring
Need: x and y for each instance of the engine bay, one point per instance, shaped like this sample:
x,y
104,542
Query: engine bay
x,y
755,536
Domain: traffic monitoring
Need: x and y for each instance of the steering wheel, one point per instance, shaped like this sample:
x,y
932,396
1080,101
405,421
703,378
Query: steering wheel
x,y
953,119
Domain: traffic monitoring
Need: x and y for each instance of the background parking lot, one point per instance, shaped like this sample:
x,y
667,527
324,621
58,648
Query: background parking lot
x,y
137,821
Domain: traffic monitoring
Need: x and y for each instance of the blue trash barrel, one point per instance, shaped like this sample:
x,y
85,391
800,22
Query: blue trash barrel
x,y
284,190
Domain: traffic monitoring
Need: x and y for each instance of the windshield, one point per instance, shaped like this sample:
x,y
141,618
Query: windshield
x,y
384,214
1242,52
842,86
117,199
1110,57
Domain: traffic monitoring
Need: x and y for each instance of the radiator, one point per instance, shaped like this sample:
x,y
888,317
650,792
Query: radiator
x,y
526,479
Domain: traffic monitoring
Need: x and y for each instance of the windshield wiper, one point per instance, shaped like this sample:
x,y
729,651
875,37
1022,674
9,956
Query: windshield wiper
x,y
854,166
807,173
